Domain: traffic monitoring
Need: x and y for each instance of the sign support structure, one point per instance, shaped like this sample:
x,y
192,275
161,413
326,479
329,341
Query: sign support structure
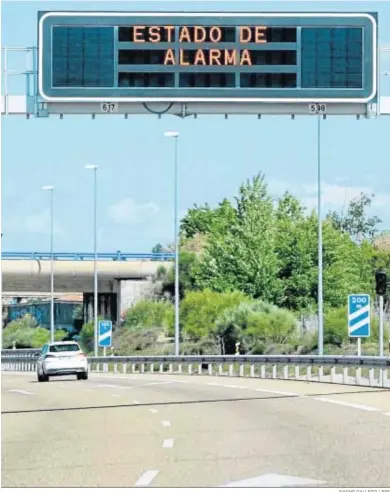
x,y
381,326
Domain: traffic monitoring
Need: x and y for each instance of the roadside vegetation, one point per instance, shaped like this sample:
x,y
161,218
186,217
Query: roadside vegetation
x,y
248,279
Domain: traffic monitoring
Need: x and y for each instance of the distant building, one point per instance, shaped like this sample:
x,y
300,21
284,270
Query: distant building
x,y
67,314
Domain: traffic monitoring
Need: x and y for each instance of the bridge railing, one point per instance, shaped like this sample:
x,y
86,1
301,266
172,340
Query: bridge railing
x,y
117,256
350,370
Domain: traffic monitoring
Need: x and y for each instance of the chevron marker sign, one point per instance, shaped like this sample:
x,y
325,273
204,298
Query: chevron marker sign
x,y
105,333
359,315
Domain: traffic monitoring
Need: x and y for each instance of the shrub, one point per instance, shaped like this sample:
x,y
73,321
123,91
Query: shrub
x,y
26,334
86,337
336,327
127,342
200,310
148,314
255,325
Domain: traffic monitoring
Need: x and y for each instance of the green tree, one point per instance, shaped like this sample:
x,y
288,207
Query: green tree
x,y
356,222
187,262
240,255
157,248
295,246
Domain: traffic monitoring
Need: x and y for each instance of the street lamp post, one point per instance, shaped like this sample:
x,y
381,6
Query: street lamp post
x,y
175,135
94,168
51,190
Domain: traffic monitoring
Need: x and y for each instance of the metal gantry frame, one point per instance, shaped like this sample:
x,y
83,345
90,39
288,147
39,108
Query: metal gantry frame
x,y
29,103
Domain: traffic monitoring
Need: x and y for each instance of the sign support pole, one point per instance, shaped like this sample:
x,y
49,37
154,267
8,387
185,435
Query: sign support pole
x,y
359,347
381,326
320,270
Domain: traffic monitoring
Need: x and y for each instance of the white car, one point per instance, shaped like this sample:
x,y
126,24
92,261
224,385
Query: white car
x,y
60,359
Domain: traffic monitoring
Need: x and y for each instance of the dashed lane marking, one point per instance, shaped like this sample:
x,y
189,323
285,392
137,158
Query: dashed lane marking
x,y
168,443
166,423
153,410
146,478
22,392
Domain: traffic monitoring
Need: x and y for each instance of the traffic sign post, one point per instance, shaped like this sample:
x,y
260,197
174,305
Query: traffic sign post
x,y
105,333
359,324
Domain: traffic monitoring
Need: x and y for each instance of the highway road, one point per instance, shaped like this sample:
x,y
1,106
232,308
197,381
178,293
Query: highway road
x,y
164,430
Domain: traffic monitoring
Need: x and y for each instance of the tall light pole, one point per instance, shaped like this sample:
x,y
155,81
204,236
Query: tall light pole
x,y
320,268
94,168
175,136
50,189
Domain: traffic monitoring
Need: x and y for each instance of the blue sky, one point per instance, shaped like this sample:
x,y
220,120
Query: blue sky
x,y
135,162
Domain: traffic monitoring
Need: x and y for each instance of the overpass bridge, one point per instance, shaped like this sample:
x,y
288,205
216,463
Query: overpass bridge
x,y
122,277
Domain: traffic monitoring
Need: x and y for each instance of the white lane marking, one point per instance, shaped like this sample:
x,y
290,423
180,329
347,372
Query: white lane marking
x,y
166,423
388,414
108,386
137,402
262,390
287,393
274,480
227,386
168,443
134,378
153,410
346,404
22,392
115,396
146,478
153,384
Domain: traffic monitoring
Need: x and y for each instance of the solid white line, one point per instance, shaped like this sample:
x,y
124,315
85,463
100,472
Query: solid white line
x,y
346,404
287,393
153,384
146,478
152,410
136,402
22,392
166,423
168,443
227,386
109,386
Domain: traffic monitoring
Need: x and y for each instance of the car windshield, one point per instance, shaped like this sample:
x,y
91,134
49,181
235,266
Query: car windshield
x,y
71,347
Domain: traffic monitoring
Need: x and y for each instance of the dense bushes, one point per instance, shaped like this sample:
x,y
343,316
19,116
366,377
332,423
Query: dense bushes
x,y
25,333
254,325
200,310
148,314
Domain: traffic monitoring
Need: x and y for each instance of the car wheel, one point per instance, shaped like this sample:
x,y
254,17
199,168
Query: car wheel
x,y
42,378
82,375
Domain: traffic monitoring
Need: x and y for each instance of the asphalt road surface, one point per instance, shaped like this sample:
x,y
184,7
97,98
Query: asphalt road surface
x,y
162,431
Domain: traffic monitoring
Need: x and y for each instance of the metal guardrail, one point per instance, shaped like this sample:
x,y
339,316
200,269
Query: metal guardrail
x,y
118,256
361,371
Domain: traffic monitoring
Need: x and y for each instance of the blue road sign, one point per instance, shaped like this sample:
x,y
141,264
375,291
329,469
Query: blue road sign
x,y
359,315
105,333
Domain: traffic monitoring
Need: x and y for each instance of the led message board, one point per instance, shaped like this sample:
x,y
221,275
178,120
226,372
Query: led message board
x,y
141,57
